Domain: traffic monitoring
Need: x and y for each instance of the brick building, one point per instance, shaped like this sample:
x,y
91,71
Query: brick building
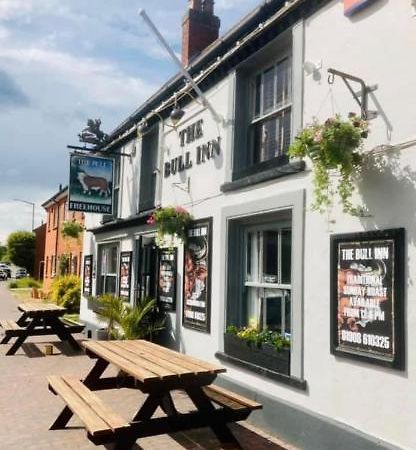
x,y
40,236
57,247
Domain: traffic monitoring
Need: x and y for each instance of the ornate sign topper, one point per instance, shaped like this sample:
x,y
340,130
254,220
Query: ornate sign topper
x,y
353,6
92,133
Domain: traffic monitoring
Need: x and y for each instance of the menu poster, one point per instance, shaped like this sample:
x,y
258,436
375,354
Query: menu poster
x,y
367,290
166,286
125,274
87,282
197,276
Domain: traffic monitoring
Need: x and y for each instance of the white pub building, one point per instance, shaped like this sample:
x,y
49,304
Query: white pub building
x,y
337,287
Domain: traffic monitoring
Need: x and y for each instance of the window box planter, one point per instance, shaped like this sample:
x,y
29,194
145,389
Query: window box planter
x,y
264,356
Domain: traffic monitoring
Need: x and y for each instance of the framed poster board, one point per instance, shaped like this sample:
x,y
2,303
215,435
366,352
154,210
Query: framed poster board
x,y
196,305
167,276
87,277
367,296
125,274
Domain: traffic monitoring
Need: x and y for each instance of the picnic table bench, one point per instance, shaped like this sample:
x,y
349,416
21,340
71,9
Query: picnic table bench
x,y
39,319
156,371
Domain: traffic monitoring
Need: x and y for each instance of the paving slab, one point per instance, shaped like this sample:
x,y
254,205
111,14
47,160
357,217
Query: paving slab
x,y
27,408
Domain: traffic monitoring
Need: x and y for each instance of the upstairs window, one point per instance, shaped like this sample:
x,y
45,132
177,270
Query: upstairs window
x,y
271,112
263,108
148,173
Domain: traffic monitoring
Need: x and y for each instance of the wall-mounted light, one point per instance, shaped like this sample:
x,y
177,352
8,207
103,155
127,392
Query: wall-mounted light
x,y
311,68
143,127
176,115
413,3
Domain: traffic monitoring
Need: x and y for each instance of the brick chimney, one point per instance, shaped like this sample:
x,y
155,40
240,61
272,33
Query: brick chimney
x,y
200,27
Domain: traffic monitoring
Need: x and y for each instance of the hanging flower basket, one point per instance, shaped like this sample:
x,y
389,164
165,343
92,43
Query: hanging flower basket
x,y
72,229
171,222
334,147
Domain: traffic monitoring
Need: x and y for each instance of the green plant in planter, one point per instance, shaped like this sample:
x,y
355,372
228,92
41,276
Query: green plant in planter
x,y
170,220
71,229
254,336
335,145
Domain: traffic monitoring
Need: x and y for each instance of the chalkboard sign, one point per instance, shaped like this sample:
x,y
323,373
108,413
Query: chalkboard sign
x,y
167,275
197,276
367,279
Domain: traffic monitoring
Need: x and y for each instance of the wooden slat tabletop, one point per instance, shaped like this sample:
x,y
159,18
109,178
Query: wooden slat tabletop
x,y
41,308
149,362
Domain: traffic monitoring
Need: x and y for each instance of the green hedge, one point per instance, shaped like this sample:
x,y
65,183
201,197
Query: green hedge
x,y
66,291
25,283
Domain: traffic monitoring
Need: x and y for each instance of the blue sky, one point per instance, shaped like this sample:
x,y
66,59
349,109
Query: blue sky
x,y
64,61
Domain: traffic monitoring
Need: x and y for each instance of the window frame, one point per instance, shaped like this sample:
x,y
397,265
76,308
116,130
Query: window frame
x,y
235,216
101,285
289,44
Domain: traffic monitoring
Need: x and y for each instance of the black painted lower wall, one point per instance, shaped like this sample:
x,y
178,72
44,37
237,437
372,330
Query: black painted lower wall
x,y
301,428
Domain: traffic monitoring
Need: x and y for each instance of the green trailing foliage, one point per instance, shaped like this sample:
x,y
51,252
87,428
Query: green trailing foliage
x,y
171,220
66,292
334,146
254,336
71,229
124,321
64,261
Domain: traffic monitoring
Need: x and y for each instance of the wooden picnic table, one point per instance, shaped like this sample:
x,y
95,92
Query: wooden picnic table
x,y
39,319
156,371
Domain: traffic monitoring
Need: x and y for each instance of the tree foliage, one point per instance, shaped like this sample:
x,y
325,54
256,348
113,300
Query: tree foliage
x,y
21,249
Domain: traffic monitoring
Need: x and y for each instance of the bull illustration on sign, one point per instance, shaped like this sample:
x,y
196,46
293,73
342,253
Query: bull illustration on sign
x,y
97,185
92,134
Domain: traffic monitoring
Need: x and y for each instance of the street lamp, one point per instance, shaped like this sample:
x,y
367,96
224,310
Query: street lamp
x,y
33,209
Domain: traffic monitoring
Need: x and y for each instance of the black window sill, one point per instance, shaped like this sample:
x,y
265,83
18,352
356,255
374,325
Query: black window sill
x,y
267,373
267,175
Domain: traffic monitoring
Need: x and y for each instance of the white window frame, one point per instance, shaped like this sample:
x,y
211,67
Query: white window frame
x,y
257,282
277,110
102,271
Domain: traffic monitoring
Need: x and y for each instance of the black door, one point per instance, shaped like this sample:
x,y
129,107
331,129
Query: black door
x,y
147,258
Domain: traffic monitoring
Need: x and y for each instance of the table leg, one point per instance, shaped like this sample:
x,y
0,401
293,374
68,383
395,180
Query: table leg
x,y
63,333
145,413
25,333
94,374
6,339
203,404
22,320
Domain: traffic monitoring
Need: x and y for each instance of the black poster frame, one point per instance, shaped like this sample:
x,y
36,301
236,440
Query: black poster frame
x,y
165,306
186,322
91,260
130,258
397,236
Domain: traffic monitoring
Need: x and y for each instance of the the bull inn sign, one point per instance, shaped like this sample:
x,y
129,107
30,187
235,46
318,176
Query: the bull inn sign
x,y
202,154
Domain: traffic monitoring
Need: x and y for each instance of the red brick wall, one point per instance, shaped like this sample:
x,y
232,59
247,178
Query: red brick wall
x,y
56,245
40,236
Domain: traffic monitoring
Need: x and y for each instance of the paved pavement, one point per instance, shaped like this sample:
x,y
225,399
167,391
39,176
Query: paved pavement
x,y
27,408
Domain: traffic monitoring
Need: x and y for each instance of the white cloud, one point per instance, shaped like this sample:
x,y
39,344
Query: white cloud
x,y
97,81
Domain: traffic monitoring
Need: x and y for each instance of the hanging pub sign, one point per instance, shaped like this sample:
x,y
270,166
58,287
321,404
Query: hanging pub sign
x,y
91,184
367,289
353,6
197,276
87,282
166,286
125,274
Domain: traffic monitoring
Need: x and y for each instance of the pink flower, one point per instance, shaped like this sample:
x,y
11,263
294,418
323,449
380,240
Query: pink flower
x,y
318,137
151,220
181,209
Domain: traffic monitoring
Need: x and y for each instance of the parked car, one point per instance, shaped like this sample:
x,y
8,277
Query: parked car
x,y
3,275
20,273
6,268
